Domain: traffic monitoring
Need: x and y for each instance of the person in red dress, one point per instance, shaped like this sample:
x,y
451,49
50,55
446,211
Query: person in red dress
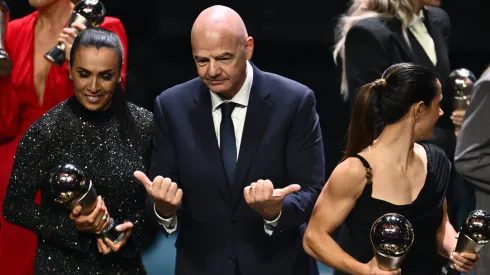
x,y
32,88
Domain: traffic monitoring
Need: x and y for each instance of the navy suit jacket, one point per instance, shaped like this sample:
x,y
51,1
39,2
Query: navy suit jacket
x,y
218,232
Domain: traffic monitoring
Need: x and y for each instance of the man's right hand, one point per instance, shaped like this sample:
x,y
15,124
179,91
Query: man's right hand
x,y
165,193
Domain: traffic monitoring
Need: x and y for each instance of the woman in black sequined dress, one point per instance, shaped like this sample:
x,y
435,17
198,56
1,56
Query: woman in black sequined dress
x,y
109,139
392,174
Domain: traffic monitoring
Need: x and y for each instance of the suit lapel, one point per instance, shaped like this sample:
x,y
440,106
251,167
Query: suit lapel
x,y
396,27
202,121
256,121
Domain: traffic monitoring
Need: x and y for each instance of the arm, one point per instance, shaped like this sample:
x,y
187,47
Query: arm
x,y
336,201
305,165
365,59
446,235
19,208
163,163
472,157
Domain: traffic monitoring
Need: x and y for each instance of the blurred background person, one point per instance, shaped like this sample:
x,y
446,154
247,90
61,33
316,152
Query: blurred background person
x,y
472,158
33,87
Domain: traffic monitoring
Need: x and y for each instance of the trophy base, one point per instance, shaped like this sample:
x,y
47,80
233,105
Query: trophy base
x,y
446,270
56,55
389,263
5,65
460,103
111,233
464,244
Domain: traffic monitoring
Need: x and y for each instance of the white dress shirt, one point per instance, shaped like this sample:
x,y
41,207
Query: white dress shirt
x,y
238,116
418,29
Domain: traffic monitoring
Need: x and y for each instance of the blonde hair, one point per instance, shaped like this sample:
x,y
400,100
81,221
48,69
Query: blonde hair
x,y
363,9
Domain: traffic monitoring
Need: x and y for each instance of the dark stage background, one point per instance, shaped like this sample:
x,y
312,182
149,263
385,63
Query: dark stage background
x,y
294,40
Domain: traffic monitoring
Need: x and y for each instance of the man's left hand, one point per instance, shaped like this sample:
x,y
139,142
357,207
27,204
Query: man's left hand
x,y
267,201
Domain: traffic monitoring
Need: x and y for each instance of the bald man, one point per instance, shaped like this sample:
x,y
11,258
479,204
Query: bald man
x,y
237,163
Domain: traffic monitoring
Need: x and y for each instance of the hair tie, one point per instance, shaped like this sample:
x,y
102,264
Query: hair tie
x,y
380,83
382,87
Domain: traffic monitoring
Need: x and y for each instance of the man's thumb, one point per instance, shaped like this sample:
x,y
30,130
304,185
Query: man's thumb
x,y
282,192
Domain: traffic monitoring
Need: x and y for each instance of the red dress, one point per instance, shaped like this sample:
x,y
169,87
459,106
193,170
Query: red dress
x,y
19,108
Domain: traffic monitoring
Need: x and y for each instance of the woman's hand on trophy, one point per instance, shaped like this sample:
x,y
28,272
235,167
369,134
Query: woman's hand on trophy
x,y
464,262
102,246
95,221
68,35
457,117
372,268
106,246
165,193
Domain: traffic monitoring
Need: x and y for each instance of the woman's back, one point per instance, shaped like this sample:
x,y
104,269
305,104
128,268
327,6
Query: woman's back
x,y
425,212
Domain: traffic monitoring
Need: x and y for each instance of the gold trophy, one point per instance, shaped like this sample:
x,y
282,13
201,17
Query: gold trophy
x,y
70,186
473,236
391,237
461,81
90,13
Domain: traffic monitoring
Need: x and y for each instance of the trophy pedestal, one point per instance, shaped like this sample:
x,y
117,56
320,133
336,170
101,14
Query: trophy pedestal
x,y
5,64
111,233
389,263
460,102
464,244
56,55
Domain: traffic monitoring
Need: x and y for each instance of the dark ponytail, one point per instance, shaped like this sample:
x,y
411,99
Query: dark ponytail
x,y
361,127
387,100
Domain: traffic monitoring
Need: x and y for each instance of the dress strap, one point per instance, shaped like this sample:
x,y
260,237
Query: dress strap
x,y
369,174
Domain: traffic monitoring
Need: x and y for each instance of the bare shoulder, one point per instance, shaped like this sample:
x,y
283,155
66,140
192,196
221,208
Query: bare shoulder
x,y
420,150
347,179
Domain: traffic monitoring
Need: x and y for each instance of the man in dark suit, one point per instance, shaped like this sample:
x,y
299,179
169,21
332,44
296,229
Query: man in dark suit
x,y
242,155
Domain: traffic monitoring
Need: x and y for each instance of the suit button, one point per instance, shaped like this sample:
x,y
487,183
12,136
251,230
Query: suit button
x,y
232,260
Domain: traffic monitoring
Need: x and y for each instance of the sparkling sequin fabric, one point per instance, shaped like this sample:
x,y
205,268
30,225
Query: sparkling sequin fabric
x,y
71,134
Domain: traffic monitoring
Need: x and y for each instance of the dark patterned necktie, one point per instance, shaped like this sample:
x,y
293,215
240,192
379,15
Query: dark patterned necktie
x,y
228,141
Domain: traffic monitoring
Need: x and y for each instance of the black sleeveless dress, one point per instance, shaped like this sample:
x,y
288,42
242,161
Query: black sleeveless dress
x,y
425,214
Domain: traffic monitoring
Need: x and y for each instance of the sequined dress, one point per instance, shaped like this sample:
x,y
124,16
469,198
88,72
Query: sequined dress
x,y
93,140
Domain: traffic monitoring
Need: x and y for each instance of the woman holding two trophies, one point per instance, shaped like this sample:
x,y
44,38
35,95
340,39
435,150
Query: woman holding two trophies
x,y
102,139
390,174
33,87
